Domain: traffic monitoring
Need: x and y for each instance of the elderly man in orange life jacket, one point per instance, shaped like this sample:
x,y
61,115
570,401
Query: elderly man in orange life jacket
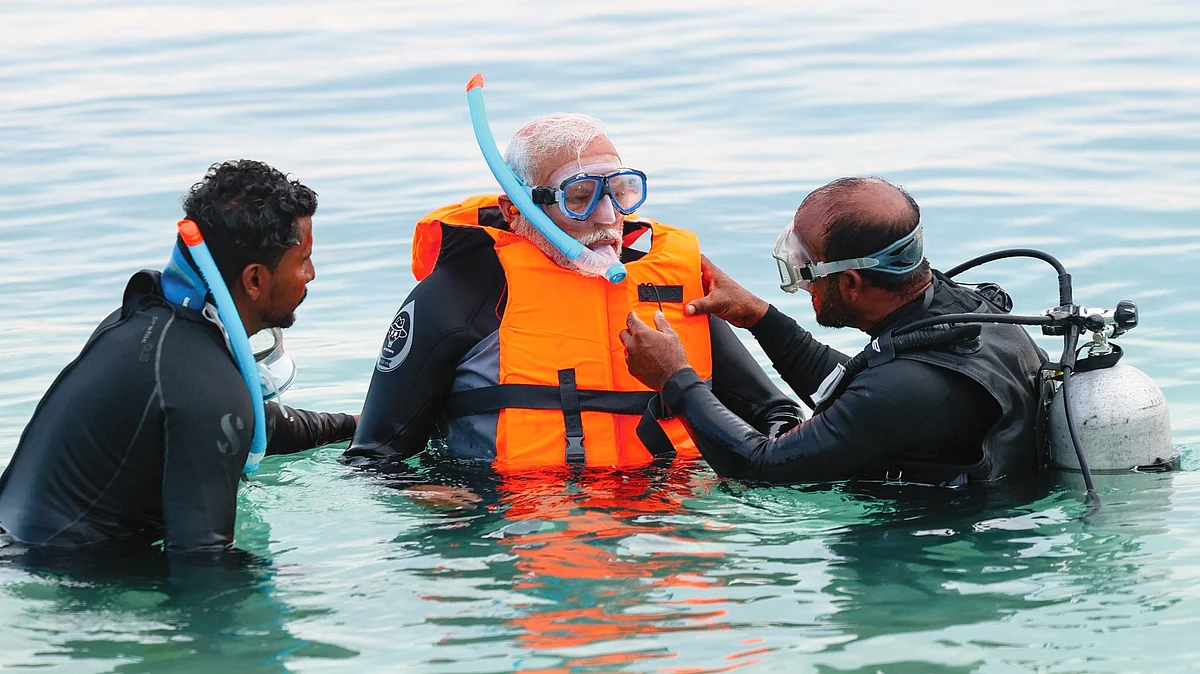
x,y
510,354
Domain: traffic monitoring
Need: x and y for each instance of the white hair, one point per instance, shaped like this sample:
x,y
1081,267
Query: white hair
x,y
547,136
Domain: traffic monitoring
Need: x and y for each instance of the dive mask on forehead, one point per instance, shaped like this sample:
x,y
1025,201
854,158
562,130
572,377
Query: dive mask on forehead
x,y
798,267
578,196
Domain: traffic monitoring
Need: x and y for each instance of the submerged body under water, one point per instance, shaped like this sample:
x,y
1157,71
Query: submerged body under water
x,y
1028,124
662,568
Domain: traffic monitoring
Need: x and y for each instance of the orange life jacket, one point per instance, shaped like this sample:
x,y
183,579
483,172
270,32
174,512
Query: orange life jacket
x,y
557,320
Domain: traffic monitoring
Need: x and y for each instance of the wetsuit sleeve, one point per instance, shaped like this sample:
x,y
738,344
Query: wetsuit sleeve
x,y
896,407
798,357
742,386
448,313
293,430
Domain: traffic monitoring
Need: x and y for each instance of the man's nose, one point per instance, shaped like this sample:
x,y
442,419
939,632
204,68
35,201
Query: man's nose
x,y
606,212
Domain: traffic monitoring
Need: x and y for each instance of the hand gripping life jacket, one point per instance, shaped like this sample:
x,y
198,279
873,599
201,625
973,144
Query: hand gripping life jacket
x,y
565,395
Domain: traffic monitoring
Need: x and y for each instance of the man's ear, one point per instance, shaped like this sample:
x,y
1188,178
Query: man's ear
x,y
852,285
507,209
255,278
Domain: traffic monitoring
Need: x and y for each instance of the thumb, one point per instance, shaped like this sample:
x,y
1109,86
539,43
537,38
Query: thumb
x,y
704,305
634,323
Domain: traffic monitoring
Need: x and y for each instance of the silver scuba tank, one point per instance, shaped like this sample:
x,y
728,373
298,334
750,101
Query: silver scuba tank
x,y
1120,414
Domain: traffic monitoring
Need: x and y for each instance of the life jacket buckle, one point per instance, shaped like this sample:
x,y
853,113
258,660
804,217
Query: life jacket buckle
x,y
575,452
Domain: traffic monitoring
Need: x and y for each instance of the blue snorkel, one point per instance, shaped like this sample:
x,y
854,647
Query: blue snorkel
x,y
583,257
238,341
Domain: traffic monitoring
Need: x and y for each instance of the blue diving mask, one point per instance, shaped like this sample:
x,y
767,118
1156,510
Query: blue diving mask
x,y
798,267
578,196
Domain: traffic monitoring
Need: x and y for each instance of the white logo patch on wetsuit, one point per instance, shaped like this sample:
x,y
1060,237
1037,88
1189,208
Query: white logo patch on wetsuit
x,y
397,343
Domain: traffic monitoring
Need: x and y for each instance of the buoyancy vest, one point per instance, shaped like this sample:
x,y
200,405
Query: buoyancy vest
x,y
565,394
1005,361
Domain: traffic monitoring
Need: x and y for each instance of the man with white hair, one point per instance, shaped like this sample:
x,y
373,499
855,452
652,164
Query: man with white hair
x,y
510,351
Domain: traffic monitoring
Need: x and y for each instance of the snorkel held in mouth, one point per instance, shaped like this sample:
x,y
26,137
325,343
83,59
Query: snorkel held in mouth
x,y
585,259
238,341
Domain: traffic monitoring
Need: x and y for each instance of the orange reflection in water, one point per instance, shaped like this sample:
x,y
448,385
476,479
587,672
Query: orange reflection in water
x,y
600,592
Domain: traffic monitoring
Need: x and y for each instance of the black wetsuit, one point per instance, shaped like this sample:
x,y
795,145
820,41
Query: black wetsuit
x,y
144,435
458,306
904,410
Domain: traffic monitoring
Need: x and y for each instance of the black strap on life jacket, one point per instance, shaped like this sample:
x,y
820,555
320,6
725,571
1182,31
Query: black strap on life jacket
x,y
542,397
651,433
568,396
646,404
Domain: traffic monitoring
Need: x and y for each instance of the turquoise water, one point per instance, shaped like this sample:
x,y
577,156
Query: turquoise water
x,y
1033,124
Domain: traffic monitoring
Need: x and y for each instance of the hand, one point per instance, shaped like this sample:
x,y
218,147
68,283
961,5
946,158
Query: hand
x,y
725,299
652,355
443,496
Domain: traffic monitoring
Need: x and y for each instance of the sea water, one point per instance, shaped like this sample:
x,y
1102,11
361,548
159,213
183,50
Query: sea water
x,y
1069,127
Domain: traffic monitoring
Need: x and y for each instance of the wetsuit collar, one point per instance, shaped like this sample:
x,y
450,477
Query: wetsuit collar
x,y
907,313
181,284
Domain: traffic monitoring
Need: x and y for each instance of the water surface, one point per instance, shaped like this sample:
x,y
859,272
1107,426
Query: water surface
x,y
1034,124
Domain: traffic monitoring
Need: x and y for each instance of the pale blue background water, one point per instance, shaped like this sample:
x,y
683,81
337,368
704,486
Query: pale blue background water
x,y
1065,126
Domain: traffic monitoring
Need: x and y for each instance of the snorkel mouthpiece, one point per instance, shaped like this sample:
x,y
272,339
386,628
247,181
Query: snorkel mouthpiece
x,y
585,259
238,341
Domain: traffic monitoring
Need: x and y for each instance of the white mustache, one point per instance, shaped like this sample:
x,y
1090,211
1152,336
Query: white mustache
x,y
612,236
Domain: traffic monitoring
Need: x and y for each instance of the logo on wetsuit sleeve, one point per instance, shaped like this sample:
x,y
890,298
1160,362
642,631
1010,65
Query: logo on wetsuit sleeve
x,y
398,341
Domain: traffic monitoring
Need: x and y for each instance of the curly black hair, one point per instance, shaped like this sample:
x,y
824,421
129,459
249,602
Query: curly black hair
x,y
247,212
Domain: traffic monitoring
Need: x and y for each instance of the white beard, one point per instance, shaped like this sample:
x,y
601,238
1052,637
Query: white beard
x,y
610,254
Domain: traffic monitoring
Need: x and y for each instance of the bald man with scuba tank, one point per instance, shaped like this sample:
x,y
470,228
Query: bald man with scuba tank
x,y
146,434
507,350
944,406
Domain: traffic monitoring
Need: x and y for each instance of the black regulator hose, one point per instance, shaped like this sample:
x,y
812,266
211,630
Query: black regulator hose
x,y
1071,340
951,319
1064,279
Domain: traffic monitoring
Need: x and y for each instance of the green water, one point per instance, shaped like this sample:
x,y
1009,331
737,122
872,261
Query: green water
x,y
1069,128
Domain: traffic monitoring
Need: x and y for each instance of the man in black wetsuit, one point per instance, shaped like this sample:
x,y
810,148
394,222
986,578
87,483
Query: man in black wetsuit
x,y
510,353
143,437
945,415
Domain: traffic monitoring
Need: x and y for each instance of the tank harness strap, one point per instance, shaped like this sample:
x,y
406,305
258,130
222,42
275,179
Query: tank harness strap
x,y
569,399
884,349
542,397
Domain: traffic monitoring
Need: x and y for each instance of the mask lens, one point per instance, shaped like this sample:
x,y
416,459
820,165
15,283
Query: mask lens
x,y
785,274
628,189
579,196
791,257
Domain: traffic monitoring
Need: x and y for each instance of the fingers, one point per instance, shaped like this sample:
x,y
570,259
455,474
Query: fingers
x,y
709,271
663,325
635,324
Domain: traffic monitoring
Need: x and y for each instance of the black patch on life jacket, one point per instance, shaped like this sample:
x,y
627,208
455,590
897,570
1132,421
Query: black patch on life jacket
x,y
490,216
649,292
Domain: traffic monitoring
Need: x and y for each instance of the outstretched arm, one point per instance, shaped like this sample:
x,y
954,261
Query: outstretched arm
x,y
902,406
800,359
742,387
292,430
